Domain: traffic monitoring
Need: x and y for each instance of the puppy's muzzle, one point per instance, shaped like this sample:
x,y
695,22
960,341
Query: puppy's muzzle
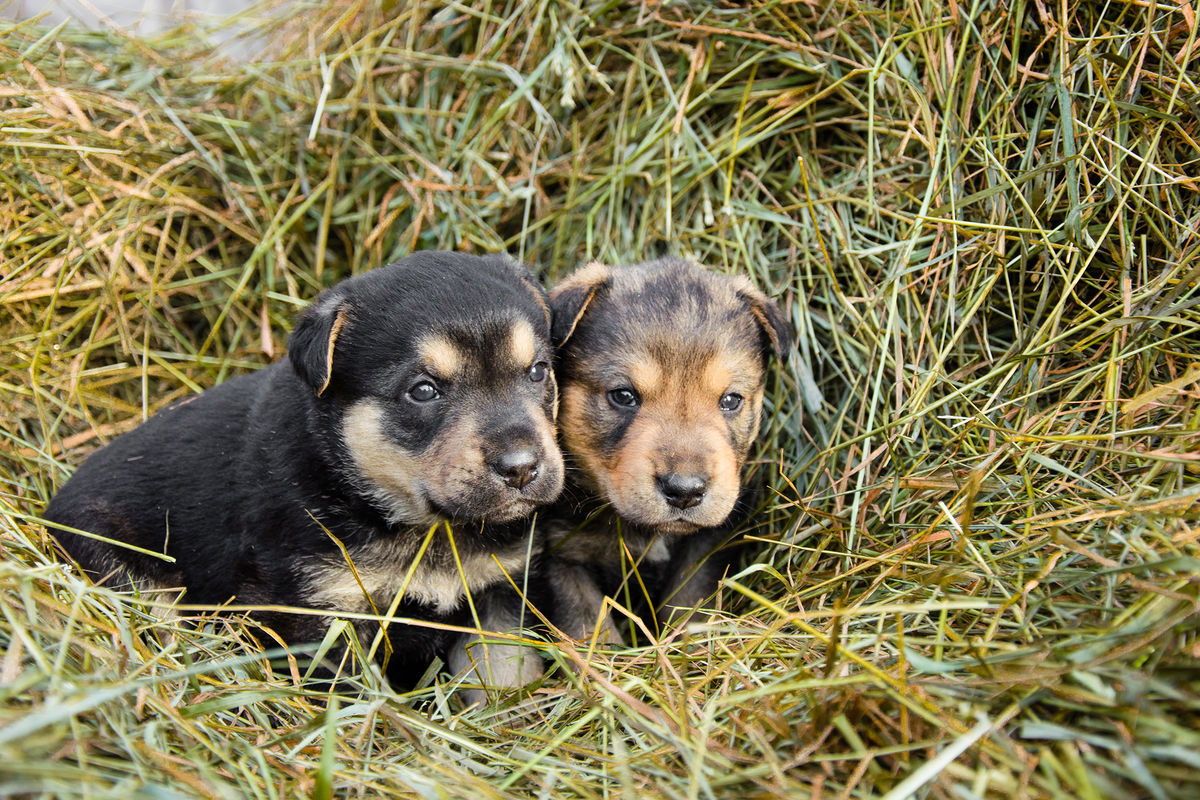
x,y
517,467
519,459
682,491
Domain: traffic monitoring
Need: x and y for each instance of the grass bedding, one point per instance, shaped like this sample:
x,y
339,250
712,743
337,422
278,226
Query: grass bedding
x,y
978,554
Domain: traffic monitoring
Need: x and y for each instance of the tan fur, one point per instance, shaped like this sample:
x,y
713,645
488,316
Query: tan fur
x,y
577,432
441,356
591,274
161,600
756,403
521,342
715,377
455,463
679,428
338,323
454,460
625,477
647,376
557,401
436,580
409,486
548,440
390,473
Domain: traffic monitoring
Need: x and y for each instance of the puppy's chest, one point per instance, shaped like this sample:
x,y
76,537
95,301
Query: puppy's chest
x,y
612,557
376,572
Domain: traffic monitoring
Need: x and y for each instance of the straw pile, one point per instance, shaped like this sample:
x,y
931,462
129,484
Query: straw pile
x,y
978,557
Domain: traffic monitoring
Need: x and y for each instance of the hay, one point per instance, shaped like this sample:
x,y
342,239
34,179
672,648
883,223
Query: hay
x,y
979,558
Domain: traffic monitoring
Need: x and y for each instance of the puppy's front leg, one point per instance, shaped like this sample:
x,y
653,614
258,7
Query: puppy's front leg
x,y
695,573
579,604
494,664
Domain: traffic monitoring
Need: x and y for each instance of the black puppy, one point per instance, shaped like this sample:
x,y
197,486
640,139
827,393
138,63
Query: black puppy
x,y
414,411
663,367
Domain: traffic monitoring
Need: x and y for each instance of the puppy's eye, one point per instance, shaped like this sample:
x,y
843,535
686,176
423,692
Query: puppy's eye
x,y
423,392
731,402
537,373
624,398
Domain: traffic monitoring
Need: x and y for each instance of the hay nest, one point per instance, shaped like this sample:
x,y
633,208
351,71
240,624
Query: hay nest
x,y
978,561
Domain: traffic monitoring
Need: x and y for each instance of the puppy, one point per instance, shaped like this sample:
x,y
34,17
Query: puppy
x,y
662,368
396,450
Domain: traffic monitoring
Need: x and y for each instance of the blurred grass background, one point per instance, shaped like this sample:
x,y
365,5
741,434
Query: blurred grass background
x,y
978,569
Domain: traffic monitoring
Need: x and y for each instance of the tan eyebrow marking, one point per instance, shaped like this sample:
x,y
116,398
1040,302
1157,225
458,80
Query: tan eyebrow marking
x,y
521,342
647,375
441,356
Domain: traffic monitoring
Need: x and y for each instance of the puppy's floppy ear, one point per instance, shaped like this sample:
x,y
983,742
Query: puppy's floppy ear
x,y
770,318
310,347
571,298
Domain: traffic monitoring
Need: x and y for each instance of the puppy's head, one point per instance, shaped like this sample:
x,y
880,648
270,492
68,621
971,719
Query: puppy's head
x,y
662,368
434,374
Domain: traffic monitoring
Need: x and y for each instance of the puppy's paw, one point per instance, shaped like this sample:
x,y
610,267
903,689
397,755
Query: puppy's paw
x,y
481,665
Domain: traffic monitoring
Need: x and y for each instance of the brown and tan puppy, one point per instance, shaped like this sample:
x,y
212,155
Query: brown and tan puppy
x,y
662,368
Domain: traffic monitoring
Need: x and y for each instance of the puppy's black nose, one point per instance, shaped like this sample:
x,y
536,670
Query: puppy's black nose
x,y
516,467
682,491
